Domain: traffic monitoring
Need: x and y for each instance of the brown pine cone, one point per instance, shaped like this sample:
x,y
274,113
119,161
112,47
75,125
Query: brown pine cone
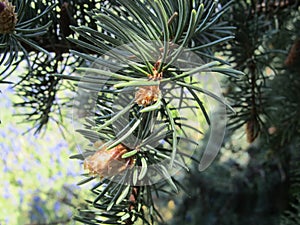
x,y
8,17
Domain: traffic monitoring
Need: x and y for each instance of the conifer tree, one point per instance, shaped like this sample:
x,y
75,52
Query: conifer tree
x,y
138,70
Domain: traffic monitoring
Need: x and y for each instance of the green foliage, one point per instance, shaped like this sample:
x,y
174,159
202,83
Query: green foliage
x,y
143,46
264,187
155,127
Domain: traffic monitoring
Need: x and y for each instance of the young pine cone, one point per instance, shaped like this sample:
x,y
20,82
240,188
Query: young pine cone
x,y
8,17
252,130
294,54
147,95
108,162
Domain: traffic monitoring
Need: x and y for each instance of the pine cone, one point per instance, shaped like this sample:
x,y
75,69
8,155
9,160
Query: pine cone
x,y
147,95
294,54
108,162
8,17
252,130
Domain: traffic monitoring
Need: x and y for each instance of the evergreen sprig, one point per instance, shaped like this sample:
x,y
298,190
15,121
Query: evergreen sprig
x,y
252,53
39,40
143,47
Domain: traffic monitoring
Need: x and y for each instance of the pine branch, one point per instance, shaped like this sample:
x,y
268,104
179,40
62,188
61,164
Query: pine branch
x,y
136,130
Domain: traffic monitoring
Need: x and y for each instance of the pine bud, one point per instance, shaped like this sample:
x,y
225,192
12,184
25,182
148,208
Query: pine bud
x,y
108,162
147,95
8,17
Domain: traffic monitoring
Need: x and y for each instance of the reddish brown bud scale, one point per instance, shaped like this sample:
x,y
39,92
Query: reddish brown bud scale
x,y
252,130
108,162
147,95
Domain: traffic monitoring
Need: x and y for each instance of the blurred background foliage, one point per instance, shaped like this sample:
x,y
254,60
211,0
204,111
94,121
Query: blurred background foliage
x,y
256,176
38,180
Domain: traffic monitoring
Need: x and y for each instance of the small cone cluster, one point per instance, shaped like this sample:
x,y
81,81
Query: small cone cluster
x,y
8,17
108,162
148,94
